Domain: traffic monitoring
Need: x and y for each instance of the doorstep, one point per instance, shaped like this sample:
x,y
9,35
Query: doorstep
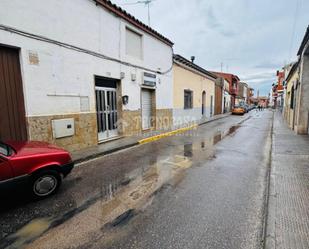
x,y
122,143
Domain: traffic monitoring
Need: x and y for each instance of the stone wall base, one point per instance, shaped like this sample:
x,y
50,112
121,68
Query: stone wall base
x,y
40,129
131,121
129,124
164,119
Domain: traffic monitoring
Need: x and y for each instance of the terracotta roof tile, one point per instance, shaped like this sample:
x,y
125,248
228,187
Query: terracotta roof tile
x,y
133,20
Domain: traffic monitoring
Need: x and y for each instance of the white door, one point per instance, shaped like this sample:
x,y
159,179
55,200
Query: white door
x,y
106,112
146,109
204,103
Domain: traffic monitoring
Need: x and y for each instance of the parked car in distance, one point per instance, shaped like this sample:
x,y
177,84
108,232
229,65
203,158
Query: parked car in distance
x,y
246,107
38,166
238,110
252,107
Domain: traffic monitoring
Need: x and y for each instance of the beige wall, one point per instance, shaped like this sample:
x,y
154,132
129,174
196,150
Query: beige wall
x,y
186,79
288,112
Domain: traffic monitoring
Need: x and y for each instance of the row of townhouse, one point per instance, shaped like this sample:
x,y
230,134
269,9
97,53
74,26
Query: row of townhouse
x,y
235,92
291,93
94,73
244,94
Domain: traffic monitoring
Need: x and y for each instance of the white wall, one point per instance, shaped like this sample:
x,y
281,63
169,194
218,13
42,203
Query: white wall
x,y
227,97
245,93
183,117
64,71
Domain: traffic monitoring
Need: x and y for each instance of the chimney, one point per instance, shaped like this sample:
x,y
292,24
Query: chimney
x,y
192,59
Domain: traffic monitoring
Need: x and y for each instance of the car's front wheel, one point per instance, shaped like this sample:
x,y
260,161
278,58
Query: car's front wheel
x,y
45,183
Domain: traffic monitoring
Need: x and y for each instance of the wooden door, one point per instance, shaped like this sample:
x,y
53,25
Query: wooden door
x,y
12,108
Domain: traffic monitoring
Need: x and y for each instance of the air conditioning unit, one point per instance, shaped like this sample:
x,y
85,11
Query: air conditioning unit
x,y
149,79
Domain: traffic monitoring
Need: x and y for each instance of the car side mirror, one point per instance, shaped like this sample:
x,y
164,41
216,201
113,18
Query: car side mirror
x,y
2,158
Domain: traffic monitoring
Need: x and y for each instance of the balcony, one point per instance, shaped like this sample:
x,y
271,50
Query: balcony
x,y
233,91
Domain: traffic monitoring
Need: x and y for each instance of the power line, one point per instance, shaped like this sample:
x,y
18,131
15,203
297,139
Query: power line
x,y
298,4
146,2
79,49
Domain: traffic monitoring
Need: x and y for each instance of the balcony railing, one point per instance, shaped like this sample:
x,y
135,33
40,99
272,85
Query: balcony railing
x,y
233,90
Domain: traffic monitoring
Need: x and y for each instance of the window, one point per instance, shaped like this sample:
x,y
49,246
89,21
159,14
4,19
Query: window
x,y
188,99
5,149
292,98
133,44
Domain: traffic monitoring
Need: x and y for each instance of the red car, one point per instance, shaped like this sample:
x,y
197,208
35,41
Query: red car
x,y
37,165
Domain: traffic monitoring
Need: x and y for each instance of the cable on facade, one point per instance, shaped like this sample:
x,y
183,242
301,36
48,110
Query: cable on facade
x,y
78,49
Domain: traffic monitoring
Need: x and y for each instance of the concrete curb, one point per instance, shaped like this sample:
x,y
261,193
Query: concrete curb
x,y
146,140
269,215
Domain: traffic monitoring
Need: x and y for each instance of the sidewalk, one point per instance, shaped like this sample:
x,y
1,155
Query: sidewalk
x,y
288,215
125,142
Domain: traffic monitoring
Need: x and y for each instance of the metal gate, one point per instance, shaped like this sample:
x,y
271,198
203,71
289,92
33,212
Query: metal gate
x,y
106,100
146,109
12,108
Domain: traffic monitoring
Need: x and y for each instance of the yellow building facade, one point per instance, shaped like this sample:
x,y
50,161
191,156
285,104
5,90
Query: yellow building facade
x,y
193,91
290,97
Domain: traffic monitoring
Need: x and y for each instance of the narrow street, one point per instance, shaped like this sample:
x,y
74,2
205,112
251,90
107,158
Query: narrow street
x,y
201,189
154,124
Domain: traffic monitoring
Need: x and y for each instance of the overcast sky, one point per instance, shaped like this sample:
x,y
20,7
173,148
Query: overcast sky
x,y
252,38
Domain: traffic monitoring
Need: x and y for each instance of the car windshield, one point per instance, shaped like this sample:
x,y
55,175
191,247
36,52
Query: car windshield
x,y
4,149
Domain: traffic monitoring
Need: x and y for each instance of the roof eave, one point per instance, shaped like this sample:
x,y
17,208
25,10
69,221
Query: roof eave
x,y
292,71
179,59
132,20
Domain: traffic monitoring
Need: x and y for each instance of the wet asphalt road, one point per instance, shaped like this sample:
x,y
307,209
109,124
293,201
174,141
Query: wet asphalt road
x,y
201,189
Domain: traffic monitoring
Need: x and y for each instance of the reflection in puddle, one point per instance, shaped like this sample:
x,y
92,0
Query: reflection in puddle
x,y
217,138
120,200
202,144
29,232
187,150
120,203
220,135
233,129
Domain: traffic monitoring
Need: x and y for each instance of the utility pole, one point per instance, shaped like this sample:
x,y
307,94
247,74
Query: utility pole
x,y
148,5
146,2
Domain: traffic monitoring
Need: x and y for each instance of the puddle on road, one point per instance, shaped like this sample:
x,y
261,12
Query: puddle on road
x,y
123,203
119,201
232,129
28,233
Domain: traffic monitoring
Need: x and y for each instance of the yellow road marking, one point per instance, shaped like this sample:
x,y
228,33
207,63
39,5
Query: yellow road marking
x,y
167,134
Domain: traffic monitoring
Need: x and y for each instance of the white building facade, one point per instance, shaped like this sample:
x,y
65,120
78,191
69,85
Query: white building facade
x,y
226,100
89,72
